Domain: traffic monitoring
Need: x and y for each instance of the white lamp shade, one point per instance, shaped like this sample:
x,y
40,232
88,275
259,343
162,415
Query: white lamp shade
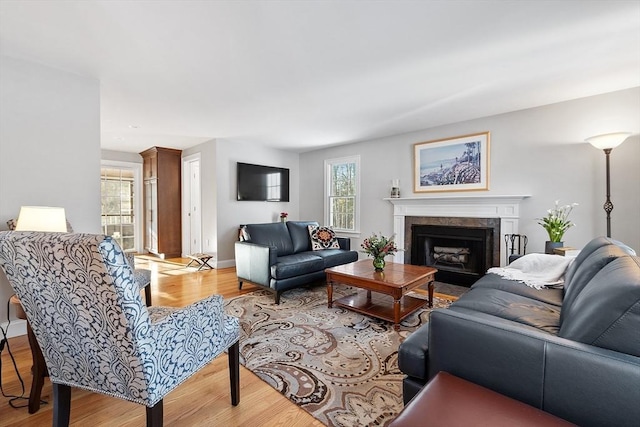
x,y
41,218
608,140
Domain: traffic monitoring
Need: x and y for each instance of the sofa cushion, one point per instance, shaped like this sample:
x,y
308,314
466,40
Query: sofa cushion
x,y
607,311
299,232
275,234
493,281
517,308
333,257
296,265
597,254
322,238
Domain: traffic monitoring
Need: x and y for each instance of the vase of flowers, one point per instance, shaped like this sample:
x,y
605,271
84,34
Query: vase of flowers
x,y
283,216
379,247
556,223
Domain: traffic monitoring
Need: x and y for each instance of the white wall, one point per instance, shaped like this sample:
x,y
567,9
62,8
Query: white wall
x,y
539,151
231,213
49,145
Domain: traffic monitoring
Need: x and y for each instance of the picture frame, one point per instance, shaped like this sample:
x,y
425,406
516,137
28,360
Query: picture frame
x,y
459,163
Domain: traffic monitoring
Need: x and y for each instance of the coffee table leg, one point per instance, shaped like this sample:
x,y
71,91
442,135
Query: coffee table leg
x,y
396,314
330,293
431,286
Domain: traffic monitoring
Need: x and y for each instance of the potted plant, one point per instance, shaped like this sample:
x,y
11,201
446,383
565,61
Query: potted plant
x,y
556,223
379,247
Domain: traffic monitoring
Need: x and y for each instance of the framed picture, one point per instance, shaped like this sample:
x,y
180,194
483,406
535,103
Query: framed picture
x,y
453,164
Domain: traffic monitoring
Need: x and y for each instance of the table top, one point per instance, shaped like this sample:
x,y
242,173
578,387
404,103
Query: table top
x,y
394,274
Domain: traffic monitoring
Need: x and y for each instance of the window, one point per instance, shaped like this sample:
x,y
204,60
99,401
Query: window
x,y
117,218
342,193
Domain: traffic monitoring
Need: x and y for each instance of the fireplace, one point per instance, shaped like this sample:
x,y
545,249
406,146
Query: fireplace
x,y
500,212
462,254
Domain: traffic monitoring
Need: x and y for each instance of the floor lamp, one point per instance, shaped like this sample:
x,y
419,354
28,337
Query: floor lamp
x,y
608,142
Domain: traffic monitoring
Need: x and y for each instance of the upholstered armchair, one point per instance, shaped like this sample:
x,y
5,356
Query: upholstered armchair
x,y
86,311
142,276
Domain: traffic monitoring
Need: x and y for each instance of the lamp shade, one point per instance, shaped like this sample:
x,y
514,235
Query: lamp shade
x,y
608,140
41,218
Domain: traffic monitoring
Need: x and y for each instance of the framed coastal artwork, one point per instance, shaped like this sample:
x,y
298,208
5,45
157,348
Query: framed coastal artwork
x,y
460,163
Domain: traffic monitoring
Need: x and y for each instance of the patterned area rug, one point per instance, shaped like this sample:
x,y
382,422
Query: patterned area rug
x,y
338,365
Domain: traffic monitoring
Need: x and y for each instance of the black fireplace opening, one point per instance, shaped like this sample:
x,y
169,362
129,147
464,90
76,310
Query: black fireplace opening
x,y
461,254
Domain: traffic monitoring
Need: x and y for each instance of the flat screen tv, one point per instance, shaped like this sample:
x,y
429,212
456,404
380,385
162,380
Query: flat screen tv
x,y
262,183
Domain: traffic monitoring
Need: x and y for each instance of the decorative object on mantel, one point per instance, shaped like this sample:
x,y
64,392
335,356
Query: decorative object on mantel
x,y
556,223
395,188
608,142
379,247
452,164
283,216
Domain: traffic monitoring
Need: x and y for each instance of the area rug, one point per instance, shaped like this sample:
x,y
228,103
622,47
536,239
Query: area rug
x,y
338,365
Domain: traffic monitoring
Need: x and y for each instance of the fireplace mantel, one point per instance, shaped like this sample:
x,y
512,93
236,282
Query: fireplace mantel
x,y
505,207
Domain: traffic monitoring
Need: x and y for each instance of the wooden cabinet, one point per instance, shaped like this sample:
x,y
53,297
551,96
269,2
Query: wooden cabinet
x,y
162,201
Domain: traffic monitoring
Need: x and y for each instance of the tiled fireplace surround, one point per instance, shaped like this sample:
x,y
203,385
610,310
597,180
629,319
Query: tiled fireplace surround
x,y
468,210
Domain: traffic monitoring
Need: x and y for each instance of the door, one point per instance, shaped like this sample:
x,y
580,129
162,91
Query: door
x,y
192,222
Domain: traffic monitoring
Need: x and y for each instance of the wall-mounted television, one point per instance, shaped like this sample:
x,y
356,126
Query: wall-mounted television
x,y
262,183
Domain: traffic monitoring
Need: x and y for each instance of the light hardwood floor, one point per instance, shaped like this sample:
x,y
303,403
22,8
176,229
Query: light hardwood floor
x,y
203,400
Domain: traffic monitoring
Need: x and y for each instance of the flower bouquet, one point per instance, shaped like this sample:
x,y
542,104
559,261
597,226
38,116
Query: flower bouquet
x,y
379,247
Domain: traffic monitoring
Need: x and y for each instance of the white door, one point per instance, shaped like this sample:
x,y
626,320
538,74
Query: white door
x,y
195,219
192,217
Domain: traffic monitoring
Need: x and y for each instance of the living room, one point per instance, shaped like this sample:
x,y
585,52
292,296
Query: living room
x,y
52,145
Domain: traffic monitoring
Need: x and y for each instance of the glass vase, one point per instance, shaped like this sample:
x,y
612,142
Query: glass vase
x,y
378,263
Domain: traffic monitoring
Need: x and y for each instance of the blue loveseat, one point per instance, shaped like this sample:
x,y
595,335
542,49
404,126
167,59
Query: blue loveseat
x,y
278,256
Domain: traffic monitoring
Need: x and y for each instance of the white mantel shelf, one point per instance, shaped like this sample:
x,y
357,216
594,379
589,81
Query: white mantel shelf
x,y
505,207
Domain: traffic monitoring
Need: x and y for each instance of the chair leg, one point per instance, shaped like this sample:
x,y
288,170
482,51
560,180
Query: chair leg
x,y
154,415
147,294
234,372
239,284
277,297
61,405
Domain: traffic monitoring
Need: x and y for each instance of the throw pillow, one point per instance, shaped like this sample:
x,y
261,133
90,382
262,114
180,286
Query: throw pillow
x,y
322,238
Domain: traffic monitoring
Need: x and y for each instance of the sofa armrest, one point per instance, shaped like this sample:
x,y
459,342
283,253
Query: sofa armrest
x,y
345,243
253,262
584,384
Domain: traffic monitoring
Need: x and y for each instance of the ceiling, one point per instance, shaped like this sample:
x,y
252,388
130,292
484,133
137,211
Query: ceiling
x,y
308,74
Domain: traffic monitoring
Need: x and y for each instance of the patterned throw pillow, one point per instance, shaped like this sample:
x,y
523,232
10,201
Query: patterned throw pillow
x,y
322,238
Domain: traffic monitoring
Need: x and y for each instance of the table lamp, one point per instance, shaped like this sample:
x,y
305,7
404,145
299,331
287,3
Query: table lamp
x,y
41,218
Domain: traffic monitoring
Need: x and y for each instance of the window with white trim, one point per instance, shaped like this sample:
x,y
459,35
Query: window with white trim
x,y
342,193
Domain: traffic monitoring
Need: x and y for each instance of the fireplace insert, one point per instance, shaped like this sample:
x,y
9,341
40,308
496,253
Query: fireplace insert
x,y
461,254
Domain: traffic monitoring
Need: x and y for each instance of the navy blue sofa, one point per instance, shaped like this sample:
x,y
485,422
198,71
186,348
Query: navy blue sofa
x,y
278,256
572,352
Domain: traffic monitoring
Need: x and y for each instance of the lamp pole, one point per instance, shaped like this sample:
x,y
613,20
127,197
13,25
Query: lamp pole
x,y
608,142
608,205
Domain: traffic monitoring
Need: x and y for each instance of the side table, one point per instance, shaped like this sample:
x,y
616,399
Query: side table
x,y
39,368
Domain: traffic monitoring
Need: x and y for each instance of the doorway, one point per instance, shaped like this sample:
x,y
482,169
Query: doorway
x,y
120,204
191,204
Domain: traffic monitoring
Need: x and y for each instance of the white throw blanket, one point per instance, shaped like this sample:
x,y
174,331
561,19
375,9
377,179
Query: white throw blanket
x,y
536,270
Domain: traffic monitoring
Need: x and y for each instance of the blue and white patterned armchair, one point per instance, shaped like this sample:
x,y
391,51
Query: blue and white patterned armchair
x,y
86,311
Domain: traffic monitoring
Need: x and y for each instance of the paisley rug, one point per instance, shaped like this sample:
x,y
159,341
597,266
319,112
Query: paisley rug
x,y
338,365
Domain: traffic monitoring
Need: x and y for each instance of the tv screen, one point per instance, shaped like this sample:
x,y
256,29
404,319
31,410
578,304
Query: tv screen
x,y
263,183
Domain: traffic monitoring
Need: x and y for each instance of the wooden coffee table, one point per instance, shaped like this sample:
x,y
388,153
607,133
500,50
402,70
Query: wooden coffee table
x,y
395,281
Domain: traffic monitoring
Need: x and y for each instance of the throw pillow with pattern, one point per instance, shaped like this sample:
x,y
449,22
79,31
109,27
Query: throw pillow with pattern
x,y
322,238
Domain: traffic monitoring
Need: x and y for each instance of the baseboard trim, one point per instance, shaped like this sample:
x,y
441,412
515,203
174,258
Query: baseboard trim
x,y
17,328
226,263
